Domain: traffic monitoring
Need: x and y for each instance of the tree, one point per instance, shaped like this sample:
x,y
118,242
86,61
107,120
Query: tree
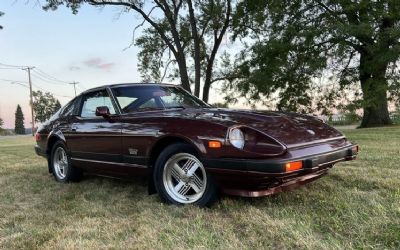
x,y
1,124
297,41
57,106
220,105
44,105
182,39
1,14
19,121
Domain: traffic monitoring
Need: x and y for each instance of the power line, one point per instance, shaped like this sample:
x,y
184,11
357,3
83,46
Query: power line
x,y
16,82
8,80
25,84
37,73
11,66
45,90
55,83
40,74
47,80
50,77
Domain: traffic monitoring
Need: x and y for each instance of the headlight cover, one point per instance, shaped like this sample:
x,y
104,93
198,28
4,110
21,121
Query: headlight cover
x,y
236,138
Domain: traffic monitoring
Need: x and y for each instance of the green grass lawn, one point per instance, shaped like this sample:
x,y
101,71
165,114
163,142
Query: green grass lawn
x,y
357,205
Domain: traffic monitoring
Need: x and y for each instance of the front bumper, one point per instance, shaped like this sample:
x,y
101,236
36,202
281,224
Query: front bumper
x,y
252,178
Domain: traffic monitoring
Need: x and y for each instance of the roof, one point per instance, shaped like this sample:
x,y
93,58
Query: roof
x,y
126,85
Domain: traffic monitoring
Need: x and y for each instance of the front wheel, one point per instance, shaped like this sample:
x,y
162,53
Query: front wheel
x,y
180,177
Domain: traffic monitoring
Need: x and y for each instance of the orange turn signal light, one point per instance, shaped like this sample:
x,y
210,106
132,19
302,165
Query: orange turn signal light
x,y
293,166
214,144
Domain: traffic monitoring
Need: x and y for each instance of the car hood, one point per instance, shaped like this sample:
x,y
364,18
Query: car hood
x,y
288,128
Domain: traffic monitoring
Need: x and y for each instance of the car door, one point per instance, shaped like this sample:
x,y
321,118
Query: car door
x,y
95,142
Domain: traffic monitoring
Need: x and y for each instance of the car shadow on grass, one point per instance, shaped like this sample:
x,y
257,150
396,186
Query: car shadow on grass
x,y
321,190
138,189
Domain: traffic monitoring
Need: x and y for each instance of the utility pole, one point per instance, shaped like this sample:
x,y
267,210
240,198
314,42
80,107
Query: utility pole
x,y
31,98
74,83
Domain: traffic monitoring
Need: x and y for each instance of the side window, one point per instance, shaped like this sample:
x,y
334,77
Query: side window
x,y
125,101
96,99
69,109
149,104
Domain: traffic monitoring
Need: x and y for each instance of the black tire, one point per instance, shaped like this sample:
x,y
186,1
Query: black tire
x,y
70,174
209,194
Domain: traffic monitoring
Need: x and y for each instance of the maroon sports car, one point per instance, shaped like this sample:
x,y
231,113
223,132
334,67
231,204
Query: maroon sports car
x,y
189,150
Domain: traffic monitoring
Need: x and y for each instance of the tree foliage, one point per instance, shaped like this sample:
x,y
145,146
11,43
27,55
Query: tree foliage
x,y
180,38
19,121
57,106
1,124
298,41
44,105
1,14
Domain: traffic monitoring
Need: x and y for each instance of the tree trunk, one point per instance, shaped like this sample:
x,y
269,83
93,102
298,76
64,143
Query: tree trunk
x,y
196,45
217,43
374,87
183,73
206,92
376,111
207,81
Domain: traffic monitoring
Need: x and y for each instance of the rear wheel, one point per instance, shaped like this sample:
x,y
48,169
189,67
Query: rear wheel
x,y
180,177
60,164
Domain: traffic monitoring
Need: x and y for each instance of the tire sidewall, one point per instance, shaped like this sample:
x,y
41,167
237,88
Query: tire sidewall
x,y
210,192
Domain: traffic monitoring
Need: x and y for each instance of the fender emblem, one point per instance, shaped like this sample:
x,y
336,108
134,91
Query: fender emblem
x,y
133,151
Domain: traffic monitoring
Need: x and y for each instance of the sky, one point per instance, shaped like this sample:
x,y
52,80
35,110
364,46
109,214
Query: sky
x,y
89,48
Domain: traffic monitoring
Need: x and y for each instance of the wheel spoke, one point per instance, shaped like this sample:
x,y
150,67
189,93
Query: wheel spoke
x,y
190,167
177,172
178,169
195,187
182,188
197,181
179,185
64,157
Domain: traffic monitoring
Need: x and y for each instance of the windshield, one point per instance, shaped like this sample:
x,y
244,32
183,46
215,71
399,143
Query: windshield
x,y
152,97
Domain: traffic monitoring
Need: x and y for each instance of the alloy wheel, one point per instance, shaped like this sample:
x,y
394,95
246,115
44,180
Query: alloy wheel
x,y
60,162
184,178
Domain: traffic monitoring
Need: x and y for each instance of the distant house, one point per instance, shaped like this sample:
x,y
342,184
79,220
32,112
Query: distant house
x,y
337,117
332,118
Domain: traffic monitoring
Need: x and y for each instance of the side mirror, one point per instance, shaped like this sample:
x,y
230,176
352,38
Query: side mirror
x,y
103,111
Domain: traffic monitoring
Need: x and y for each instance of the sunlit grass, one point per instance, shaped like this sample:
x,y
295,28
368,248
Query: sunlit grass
x,y
356,206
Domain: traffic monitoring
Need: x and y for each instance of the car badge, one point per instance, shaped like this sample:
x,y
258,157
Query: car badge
x,y
133,151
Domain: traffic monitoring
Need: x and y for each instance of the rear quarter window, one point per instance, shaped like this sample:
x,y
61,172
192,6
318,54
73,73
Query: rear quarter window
x,y
71,108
